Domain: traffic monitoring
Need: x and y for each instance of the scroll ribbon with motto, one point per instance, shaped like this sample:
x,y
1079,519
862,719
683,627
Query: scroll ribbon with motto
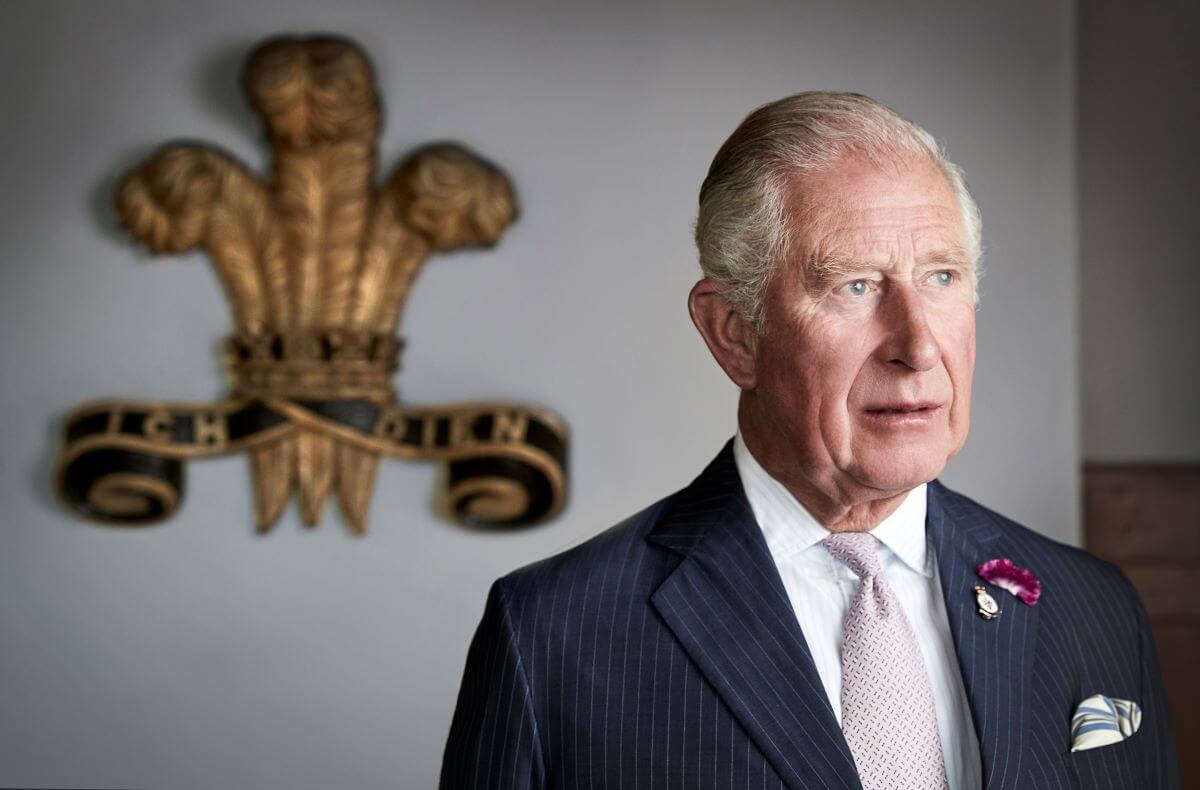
x,y
317,263
123,461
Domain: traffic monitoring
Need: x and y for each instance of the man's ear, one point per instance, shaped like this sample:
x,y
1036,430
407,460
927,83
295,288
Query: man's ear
x,y
728,336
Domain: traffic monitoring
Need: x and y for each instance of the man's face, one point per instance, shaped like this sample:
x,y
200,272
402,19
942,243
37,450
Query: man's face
x,y
863,370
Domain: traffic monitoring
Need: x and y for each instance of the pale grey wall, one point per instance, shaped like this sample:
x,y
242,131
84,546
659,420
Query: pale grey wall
x,y
197,655
1139,173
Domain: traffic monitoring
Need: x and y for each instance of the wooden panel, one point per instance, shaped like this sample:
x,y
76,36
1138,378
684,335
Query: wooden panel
x,y
1166,591
1179,651
1146,519
1134,513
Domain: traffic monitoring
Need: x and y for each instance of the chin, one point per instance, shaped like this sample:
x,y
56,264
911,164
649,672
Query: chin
x,y
898,470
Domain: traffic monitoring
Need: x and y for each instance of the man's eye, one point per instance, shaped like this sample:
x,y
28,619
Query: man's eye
x,y
943,278
856,288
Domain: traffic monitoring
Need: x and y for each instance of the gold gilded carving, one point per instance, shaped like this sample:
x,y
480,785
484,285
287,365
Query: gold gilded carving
x,y
462,430
210,430
510,427
316,263
157,426
128,494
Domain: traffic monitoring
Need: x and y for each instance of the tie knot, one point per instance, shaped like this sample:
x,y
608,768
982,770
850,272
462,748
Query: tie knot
x,y
856,550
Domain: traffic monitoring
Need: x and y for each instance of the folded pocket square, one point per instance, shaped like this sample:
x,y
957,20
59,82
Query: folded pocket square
x,y
1101,720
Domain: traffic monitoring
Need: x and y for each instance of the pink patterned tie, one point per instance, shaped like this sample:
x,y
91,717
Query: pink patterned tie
x,y
887,705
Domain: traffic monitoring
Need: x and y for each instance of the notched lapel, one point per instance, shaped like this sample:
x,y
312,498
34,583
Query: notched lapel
x,y
727,607
995,656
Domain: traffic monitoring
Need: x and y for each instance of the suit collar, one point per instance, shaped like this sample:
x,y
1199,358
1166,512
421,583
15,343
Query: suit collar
x,y
994,656
726,605
708,500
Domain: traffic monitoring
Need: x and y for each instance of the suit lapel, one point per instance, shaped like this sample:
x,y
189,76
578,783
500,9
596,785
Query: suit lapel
x,y
994,656
726,605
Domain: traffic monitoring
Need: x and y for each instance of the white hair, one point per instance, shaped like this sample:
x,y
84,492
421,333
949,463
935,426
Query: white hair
x,y
742,229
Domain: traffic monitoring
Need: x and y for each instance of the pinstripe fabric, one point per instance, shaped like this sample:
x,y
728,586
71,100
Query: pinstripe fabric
x,y
1087,634
664,653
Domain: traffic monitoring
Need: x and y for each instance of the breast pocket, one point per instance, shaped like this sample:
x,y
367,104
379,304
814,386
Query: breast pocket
x,y
1118,765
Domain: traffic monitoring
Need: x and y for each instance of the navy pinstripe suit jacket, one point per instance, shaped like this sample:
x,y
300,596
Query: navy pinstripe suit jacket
x,y
664,653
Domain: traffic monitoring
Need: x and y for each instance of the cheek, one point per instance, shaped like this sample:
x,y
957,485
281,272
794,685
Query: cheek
x,y
835,374
792,376
832,359
807,369
959,355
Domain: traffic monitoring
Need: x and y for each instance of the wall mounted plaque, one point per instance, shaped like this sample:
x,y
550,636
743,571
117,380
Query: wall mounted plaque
x,y
316,262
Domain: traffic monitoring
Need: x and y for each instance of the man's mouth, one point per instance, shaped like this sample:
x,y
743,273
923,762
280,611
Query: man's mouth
x,y
903,407
903,414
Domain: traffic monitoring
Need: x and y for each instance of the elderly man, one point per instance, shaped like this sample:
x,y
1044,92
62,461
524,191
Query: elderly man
x,y
815,610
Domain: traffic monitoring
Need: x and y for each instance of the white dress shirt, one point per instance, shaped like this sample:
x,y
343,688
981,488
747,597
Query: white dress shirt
x,y
821,588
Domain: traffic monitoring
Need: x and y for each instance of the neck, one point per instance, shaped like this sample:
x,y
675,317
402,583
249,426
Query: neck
x,y
838,505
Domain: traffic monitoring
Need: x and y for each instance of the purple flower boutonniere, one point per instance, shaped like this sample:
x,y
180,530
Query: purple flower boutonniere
x,y
1019,581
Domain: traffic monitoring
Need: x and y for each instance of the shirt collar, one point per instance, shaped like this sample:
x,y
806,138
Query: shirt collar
x,y
789,528
904,531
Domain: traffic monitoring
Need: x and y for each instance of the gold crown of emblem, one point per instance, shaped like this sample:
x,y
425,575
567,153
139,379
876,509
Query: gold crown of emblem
x,y
317,262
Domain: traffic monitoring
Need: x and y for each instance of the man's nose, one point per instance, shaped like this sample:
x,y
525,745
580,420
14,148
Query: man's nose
x,y
910,340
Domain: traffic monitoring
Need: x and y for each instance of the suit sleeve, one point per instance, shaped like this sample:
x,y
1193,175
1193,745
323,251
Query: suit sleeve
x,y
494,740
1162,759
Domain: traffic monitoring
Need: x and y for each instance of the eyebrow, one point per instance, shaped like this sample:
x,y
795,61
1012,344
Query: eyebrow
x,y
822,272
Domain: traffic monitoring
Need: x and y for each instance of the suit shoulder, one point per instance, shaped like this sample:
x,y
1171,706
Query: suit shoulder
x,y
616,546
1045,555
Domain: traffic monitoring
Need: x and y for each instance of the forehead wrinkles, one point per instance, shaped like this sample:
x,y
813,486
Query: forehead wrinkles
x,y
884,237
836,230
